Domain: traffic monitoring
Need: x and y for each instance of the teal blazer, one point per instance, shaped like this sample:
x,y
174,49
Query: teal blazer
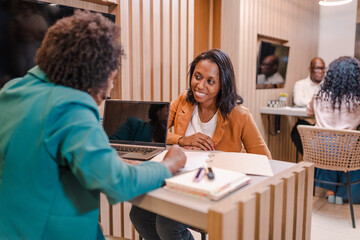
x,y
55,160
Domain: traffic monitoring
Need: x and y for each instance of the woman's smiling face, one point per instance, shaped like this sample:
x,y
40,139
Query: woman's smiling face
x,y
205,82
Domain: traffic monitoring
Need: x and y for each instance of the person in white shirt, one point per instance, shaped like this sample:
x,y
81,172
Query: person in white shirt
x,y
303,92
304,89
269,71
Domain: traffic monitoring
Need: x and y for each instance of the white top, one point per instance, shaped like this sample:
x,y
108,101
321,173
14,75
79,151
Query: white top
x,y
276,78
326,117
303,92
196,126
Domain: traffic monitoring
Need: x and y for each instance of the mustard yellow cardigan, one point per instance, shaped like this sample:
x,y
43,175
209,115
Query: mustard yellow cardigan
x,y
231,135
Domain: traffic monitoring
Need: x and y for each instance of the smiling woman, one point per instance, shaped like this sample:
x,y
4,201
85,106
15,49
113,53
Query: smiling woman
x,y
207,116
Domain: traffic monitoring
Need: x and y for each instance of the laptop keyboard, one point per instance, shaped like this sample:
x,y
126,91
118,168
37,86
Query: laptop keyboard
x,y
122,148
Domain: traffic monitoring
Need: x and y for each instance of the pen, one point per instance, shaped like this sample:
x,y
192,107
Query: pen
x,y
210,173
199,175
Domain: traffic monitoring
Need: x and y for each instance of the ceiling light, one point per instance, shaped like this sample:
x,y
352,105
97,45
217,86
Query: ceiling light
x,y
333,2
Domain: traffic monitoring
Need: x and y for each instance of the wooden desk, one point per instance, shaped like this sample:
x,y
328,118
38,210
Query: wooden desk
x,y
191,210
274,206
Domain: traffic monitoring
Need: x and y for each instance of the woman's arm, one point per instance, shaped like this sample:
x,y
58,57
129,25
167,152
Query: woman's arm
x,y
310,107
251,137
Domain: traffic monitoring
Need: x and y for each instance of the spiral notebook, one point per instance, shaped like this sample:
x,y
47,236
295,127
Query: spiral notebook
x,y
224,183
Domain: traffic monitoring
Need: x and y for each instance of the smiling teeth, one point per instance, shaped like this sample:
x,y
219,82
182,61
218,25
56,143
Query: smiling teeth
x,y
200,94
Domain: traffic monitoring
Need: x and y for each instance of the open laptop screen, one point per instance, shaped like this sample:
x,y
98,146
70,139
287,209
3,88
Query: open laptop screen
x,y
136,122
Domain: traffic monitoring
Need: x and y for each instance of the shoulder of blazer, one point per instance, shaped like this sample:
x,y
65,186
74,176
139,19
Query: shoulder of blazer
x,y
239,111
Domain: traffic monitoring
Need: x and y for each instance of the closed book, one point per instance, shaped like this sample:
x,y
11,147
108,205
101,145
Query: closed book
x,y
225,182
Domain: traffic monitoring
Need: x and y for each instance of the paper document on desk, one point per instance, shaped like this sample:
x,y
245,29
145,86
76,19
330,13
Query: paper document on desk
x,y
194,160
243,162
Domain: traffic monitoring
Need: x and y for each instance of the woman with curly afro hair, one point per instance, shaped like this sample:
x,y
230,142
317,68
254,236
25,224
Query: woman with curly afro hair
x,y
55,157
337,105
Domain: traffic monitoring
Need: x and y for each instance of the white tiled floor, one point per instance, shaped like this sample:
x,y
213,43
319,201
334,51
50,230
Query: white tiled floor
x,y
329,221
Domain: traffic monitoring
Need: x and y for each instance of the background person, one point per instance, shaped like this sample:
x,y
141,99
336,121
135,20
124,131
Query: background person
x,y
55,157
303,92
337,105
305,89
269,71
207,116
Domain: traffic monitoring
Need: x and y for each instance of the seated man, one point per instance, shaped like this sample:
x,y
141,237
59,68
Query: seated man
x,y
303,92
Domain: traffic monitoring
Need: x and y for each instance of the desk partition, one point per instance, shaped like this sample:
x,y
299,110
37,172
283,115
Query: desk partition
x,y
277,208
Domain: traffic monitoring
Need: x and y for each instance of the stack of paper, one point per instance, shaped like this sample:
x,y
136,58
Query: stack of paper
x,y
225,182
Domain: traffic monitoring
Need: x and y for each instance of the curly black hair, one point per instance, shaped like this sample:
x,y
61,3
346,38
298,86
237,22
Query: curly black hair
x,y
341,82
227,97
81,51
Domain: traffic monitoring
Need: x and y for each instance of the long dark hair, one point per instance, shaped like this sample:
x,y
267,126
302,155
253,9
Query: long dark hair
x,y
81,51
227,97
341,82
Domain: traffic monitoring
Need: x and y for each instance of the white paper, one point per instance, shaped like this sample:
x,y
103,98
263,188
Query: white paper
x,y
194,160
243,162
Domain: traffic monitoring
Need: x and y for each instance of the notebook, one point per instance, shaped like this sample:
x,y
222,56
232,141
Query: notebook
x,y
224,183
136,129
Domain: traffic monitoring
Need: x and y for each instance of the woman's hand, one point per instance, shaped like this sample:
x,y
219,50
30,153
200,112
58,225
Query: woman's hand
x,y
197,140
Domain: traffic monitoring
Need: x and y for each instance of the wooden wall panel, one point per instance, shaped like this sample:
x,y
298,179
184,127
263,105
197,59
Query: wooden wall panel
x,y
122,88
157,37
166,50
202,25
295,21
156,50
174,83
190,32
146,46
183,43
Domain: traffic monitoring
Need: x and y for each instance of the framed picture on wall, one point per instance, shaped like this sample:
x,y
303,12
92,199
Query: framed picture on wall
x,y
271,65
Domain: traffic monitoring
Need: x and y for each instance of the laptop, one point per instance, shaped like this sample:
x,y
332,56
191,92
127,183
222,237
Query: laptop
x,y
136,129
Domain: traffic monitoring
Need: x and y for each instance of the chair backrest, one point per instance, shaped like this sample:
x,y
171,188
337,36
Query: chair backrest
x,y
331,149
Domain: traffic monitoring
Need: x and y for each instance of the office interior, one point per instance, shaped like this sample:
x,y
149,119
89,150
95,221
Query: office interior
x,y
160,38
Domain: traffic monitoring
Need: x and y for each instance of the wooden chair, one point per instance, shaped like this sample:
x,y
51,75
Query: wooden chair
x,y
332,149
